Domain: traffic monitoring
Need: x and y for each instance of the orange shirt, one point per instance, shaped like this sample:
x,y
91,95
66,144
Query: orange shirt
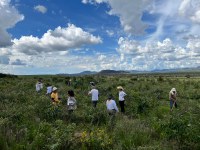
x,y
54,96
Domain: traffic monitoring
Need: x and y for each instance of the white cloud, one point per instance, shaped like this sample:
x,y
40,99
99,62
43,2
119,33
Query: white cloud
x,y
174,15
130,13
110,33
93,1
196,17
171,16
190,10
33,52
160,54
194,45
41,9
9,16
174,42
60,39
101,57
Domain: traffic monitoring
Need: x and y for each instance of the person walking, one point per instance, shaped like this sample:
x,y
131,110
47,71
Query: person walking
x,y
95,96
122,94
173,98
54,96
71,102
111,106
39,86
49,89
112,109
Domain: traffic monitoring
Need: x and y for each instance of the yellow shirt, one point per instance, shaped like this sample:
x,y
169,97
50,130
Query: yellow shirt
x,y
54,96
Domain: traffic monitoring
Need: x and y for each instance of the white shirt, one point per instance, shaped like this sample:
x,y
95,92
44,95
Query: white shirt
x,y
49,89
95,94
121,95
37,86
71,100
111,104
41,85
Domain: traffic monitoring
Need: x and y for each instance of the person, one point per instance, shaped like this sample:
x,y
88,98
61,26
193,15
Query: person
x,y
122,94
54,96
173,99
111,106
49,89
71,102
95,96
112,109
39,86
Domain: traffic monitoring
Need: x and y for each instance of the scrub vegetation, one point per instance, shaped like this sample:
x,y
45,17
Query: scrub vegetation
x,y
28,120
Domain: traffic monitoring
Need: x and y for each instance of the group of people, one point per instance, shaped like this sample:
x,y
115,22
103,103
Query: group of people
x,y
110,102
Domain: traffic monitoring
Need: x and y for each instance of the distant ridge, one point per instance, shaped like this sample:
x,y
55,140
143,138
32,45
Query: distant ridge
x,y
79,74
111,72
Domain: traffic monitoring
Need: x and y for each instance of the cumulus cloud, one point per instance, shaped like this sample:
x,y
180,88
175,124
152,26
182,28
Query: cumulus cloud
x,y
60,39
41,9
160,54
169,16
130,13
33,52
194,45
9,16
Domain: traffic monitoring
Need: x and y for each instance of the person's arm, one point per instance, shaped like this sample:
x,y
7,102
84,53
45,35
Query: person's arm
x,y
90,92
68,101
74,100
115,106
53,99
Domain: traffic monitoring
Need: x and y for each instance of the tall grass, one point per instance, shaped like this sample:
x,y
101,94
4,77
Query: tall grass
x,y
28,120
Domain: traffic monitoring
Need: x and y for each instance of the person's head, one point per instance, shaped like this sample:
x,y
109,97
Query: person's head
x,y
54,89
92,84
173,90
120,88
110,96
71,93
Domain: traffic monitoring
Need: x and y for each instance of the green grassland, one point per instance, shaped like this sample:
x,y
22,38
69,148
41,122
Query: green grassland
x,y
28,120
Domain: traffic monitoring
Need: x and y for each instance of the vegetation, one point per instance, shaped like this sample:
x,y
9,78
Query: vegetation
x,y
28,120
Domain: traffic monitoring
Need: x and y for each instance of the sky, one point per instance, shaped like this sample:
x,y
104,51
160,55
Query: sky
x,y
71,36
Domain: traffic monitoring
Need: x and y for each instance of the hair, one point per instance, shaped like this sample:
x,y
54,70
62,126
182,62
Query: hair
x,y
110,96
71,93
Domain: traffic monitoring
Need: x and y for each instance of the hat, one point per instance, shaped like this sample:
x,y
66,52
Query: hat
x,y
173,89
120,88
54,88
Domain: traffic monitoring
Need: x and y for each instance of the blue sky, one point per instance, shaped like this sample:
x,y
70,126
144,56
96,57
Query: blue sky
x,y
70,36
